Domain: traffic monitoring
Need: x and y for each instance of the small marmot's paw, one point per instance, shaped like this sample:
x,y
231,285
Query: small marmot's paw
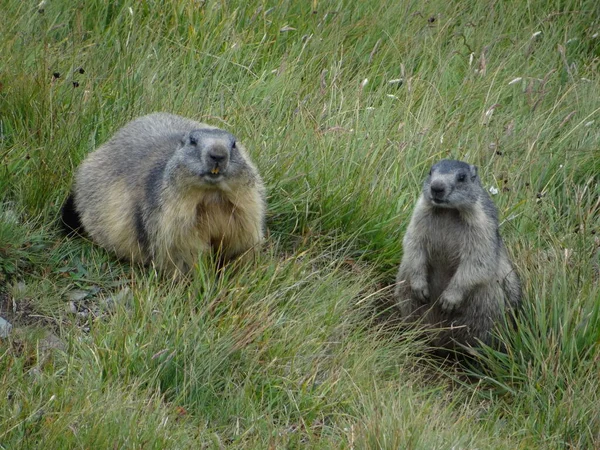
x,y
420,291
450,300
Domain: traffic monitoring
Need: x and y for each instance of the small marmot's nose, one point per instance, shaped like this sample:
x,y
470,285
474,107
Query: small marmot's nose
x,y
437,189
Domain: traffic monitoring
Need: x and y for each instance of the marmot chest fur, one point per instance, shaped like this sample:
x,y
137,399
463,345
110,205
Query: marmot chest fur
x,y
165,188
455,272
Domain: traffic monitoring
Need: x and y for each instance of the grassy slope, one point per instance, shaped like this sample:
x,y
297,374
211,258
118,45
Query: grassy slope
x,y
277,353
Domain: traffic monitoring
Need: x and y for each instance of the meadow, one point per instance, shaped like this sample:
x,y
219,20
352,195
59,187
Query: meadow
x,y
343,106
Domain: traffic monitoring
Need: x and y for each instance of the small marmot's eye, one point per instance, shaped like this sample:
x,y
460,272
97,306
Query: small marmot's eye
x,y
430,173
193,140
462,177
234,145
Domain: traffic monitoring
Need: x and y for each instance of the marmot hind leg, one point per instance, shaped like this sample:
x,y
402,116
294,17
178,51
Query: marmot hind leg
x,y
476,321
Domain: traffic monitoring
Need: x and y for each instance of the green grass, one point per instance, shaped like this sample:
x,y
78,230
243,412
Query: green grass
x,y
283,352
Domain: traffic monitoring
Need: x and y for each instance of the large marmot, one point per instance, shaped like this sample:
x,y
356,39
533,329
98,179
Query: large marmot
x,y
165,188
455,273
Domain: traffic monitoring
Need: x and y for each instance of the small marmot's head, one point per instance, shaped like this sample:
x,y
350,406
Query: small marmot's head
x,y
212,155
452,184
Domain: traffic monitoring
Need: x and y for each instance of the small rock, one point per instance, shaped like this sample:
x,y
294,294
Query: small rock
x,y
35,372
9,216
47,345
124,296
52,342
5,328
77,295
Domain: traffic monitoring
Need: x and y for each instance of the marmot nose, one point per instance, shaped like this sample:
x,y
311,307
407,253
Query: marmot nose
x,y
217,155
437,189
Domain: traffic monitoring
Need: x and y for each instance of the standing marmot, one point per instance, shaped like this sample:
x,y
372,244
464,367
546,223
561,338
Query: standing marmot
x,y
455,272
165,188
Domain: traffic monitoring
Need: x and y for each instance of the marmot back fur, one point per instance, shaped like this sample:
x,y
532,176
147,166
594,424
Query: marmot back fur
x,y
165,188
455,272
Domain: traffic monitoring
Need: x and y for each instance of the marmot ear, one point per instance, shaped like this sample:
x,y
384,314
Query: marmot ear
x,y
473,170
192,138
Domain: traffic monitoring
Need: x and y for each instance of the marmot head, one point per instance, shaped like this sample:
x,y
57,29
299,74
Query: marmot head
x,y
452,184
212,156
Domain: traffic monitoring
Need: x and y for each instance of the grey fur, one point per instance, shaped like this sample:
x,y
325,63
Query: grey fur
x,y
165,188
455,273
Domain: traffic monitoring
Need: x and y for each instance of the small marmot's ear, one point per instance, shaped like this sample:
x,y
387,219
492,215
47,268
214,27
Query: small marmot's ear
x,y
473,170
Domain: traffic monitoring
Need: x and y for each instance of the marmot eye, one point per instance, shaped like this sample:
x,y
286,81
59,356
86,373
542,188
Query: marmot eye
x,y
233,145
462,177
430,172
193,140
